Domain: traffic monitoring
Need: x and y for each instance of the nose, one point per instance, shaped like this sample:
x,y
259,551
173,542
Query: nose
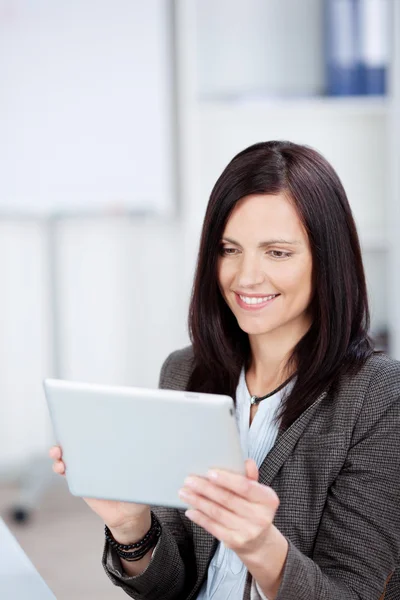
x,y
250,273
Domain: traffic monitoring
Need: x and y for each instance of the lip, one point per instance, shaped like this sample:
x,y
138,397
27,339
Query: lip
x,y
254,307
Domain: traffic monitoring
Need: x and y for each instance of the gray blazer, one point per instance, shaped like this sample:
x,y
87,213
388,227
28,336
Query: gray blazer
x,y
336,471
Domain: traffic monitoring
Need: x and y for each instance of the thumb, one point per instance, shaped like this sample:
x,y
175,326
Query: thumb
x,y
251,469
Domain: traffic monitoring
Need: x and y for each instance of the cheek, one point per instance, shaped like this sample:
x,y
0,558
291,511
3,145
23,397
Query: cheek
x,y
296,281
225,276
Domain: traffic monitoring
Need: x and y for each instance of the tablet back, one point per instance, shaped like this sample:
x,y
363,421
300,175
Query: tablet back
x,y
139,445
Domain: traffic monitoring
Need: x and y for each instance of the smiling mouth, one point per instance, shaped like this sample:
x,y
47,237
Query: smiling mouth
x,y
254,302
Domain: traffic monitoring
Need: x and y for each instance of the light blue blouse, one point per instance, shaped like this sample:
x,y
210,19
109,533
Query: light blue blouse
x,y
226,577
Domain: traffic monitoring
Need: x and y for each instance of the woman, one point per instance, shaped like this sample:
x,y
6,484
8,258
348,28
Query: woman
x,y
278,320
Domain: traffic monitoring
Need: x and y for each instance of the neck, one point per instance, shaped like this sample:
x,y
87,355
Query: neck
x,y
270,354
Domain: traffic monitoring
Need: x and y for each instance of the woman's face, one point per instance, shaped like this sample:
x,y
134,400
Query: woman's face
x,y
265,266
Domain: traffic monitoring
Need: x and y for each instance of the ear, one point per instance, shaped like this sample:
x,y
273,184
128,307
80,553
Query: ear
x,y
251,469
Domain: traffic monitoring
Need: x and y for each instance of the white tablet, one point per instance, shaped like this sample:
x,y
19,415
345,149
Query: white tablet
x,y
139,445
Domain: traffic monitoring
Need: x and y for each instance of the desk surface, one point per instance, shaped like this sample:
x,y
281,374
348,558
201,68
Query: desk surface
x,y
18,577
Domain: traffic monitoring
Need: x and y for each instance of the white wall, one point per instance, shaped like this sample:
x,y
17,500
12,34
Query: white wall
x,y
122,310
86,105
242,49
24,341
85,128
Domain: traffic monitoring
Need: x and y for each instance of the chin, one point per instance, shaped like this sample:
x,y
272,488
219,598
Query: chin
x,y
255,328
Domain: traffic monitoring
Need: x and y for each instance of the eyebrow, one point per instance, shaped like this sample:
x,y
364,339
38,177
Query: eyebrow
x,y
267,242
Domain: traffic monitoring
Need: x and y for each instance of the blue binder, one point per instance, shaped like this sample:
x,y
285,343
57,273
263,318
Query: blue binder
x,y
341,48
373,22
356,46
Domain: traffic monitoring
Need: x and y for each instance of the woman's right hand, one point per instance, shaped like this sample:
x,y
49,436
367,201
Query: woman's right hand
x,y
116,515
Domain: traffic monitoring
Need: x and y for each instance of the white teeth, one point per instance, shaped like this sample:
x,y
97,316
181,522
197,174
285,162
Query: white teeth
x,y
248,300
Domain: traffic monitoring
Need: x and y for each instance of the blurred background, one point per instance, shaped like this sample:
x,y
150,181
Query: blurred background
x,y
116,118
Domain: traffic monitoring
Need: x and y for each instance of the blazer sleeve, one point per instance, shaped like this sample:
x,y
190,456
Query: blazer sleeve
x,y
171,573
358,542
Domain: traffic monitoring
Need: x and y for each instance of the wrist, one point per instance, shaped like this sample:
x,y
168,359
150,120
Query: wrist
x,y
275,544
138,550
132,531
268,563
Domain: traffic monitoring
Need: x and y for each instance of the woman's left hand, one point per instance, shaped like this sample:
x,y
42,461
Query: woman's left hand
x,y
234,508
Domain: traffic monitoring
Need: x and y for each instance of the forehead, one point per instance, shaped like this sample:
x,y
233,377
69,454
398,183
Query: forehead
x,y
266,214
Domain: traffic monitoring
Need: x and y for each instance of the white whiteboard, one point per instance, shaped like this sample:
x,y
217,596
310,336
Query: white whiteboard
x,y
85,106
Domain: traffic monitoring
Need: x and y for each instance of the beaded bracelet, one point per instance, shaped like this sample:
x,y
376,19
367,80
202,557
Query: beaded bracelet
x,y
134,556
141,547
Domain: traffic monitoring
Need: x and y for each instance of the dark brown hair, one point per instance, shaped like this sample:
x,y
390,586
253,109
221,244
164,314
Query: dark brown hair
x,y
338,337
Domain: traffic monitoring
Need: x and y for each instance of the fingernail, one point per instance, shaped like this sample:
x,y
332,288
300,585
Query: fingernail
x,y
190,482
212,474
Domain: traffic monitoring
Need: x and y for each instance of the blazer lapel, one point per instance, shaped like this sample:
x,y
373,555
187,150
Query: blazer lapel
x,y
204,543
279,453
285,443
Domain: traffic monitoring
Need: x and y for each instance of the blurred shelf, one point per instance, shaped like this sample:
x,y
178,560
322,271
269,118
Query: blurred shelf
x,y
346,105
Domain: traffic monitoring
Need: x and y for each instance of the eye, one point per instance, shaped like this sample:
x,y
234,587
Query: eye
x,y
280,254
227,251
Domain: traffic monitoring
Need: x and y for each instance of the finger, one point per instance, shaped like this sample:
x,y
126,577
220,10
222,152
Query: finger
x,y
251,469
55,452
206,523
208,498
197,490
216,513
242,486
236,539
59,467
